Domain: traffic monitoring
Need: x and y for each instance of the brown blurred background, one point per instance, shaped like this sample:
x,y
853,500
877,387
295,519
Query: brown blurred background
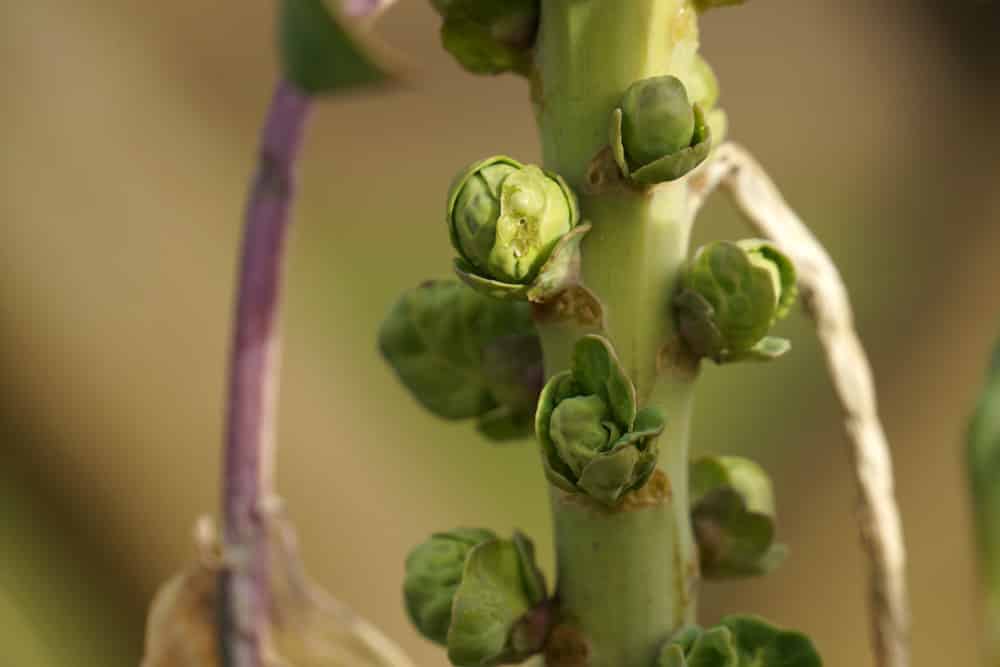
x,y
128,136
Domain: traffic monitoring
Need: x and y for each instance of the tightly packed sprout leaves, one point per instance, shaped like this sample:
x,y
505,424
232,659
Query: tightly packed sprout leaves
x,y
657,135
514,227
594,439
731,295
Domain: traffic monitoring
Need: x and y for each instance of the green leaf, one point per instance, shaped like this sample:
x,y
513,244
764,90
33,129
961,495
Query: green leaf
x,y
433,572
317,53
489,602
733,518
606,478
464,355
597,370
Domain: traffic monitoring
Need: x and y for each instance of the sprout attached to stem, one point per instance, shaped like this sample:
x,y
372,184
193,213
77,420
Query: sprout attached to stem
x,y
515,228
731,295
657,134
594,441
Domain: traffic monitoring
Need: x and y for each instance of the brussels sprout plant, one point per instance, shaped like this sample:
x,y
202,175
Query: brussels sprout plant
x,y
578,319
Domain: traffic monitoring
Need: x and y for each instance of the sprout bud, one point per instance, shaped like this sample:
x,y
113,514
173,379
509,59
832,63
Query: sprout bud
x,y
505,218
657,119
593,439
733,517
657,134
731,295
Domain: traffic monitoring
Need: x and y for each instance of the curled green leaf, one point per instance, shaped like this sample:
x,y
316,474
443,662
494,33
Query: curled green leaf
x,y
464,355
490,36
593,439
473,592
656,134
730,296
434,571
733,518
500,585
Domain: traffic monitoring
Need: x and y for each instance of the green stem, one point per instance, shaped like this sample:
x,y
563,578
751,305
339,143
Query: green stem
x,y
626,577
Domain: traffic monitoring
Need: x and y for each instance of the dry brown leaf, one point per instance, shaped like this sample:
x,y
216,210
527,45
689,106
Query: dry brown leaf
x,y
309,628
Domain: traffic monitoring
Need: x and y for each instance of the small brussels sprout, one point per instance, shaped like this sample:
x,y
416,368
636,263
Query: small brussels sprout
x,y
738,640
731,295
464,355
593,439
490,36
733,518
657,119
506,220
472,592
656,134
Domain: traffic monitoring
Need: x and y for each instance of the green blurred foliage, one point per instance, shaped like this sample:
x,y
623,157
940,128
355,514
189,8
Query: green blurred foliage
x,y
130,132
317,53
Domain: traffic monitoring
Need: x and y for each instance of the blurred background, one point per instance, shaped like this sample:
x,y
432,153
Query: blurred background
x,y
128,132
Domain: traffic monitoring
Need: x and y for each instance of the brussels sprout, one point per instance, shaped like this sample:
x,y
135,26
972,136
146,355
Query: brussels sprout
x,y
506,221
731,295
656,134
657,119
733,518
489,36
464,355
593,439
739,641
471,591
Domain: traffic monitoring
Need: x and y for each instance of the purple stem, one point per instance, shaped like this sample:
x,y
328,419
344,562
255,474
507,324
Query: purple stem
x,y
253,381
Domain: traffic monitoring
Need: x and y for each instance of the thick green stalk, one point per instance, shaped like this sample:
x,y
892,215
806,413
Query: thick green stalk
x,y
626,577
